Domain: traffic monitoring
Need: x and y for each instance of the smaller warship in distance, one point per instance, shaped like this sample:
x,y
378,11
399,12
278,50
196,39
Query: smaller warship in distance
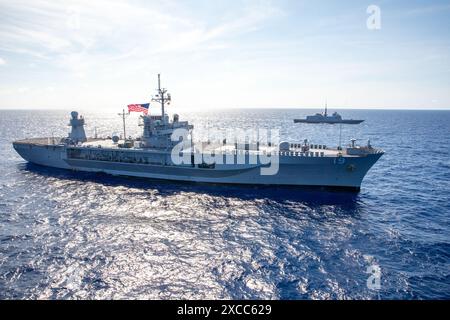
x,y
325,118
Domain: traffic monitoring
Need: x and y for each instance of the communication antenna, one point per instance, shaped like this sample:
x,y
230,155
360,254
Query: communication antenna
x,y
162,97
123,115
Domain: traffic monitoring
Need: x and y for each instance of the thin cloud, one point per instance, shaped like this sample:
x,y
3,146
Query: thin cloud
x,y
110,31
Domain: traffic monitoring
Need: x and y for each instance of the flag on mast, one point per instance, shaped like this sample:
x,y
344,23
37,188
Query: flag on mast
x,y
142,107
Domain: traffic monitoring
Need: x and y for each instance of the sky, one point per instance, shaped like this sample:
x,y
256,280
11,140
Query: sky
x,y
106,54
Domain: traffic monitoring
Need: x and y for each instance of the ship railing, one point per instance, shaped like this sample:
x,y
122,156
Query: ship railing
x,y
138,159
238,152
53,141
263,152
309,145
301,154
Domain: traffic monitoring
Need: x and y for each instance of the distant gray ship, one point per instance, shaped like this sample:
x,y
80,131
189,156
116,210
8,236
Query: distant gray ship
x,y
152,156
325,118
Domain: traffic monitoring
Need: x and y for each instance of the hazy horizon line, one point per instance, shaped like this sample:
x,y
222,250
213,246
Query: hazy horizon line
x,y
238,108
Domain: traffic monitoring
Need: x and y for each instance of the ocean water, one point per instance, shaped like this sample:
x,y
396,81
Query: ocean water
x,y
66,235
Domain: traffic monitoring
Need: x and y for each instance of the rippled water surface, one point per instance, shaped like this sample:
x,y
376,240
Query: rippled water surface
x,y
67,235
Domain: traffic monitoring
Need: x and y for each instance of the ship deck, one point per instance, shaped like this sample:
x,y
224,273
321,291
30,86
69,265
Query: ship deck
x,y
218,148
295,149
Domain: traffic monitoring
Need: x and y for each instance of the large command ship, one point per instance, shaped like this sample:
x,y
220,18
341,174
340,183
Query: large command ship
x,y
152,156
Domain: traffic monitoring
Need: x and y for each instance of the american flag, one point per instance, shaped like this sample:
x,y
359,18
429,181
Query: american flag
x,y
139,107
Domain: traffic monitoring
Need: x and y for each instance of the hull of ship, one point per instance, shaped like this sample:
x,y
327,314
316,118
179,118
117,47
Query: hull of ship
x,y
296,171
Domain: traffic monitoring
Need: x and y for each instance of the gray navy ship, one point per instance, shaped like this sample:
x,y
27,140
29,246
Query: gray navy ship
x,y
335,118
152,156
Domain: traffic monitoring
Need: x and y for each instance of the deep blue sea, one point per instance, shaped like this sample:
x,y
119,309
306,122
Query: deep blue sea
x,y
66,235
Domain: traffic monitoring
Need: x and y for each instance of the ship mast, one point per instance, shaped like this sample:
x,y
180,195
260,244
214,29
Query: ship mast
x,y
162,97
123,114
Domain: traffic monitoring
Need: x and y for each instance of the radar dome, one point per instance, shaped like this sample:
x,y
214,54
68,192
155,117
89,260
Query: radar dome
x,y
115,138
